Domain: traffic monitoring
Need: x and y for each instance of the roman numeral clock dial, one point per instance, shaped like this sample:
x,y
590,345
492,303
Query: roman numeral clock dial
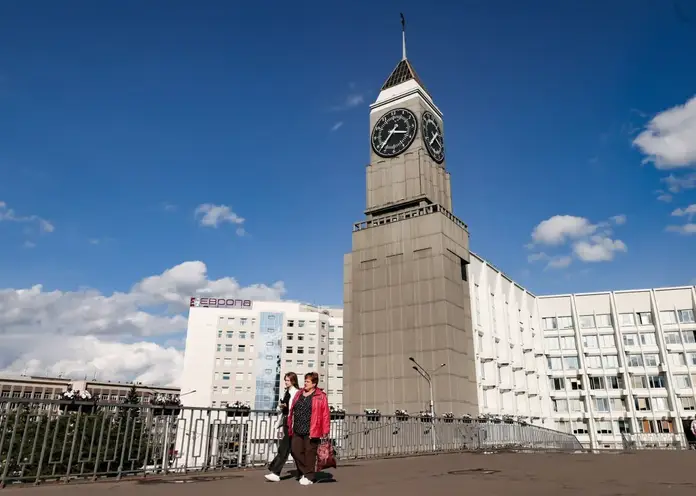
x,y
432,136
394,132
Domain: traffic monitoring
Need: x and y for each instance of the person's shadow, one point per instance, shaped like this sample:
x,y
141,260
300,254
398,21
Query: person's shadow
x,y
321,477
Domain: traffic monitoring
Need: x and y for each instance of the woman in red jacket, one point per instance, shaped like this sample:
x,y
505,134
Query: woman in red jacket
x,y
308,421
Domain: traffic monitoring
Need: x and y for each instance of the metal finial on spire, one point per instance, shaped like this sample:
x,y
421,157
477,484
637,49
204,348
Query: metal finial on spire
x,y
403,37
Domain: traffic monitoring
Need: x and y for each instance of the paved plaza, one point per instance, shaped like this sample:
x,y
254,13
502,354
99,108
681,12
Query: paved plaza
x,y
635,473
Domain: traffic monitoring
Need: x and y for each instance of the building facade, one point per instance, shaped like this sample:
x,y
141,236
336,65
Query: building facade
x,y
510,355
52,388
239,350
605,366
405,290
621,362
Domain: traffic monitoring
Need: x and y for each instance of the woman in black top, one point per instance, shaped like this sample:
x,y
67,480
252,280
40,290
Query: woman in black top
x,y
281,458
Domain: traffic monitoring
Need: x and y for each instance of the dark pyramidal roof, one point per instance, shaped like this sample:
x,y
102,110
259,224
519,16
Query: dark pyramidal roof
x,y
403,72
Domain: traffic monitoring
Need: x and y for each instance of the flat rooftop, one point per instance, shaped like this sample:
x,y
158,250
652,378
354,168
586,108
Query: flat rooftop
x,y
646,473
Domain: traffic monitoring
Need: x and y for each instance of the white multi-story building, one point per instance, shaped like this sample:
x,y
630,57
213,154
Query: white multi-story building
x,y
335,384
511,365
603,366
239,350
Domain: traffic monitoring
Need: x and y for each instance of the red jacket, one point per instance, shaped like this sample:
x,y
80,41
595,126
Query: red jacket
x,y
320,424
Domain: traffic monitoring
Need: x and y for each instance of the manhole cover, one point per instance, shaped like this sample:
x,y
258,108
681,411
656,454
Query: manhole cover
x,y
469,471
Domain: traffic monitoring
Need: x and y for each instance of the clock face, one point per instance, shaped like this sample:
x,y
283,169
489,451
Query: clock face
x,y
394,132
432,136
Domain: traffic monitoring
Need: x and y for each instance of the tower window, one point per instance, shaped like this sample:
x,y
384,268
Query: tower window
x,y
463,265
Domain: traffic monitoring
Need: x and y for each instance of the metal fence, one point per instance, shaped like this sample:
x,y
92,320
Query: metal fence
x,y
660,441
61,441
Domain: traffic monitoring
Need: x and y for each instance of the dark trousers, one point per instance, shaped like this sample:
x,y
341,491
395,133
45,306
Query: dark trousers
x,y
304,452
276,466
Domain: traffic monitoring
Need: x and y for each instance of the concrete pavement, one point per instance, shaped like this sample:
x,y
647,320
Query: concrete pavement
x,y
636,473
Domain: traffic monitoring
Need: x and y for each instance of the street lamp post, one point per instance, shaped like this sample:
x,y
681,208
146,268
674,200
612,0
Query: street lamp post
x,y
428,377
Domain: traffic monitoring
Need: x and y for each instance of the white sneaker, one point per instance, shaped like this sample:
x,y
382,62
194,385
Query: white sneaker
x,y
272,477
305,481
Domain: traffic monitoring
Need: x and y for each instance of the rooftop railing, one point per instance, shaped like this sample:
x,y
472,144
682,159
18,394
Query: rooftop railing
x,y
51,440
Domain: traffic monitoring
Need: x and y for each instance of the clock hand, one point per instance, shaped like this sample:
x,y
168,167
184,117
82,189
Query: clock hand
x,y
435,136
388,138
400,132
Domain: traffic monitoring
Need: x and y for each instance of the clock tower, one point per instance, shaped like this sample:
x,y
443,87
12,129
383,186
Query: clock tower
x,y
406,290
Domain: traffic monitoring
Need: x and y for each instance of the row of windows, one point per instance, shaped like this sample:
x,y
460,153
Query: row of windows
x,y
612,361
667,317
594,341
622,426
606,405
231,334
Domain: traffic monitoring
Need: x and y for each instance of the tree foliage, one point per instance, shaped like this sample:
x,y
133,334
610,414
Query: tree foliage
x,y
77,441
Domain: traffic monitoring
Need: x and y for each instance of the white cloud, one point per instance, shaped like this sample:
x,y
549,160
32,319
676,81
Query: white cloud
x,y
677,184
619,219
560,262
560,228
29,244
351,101
669,138
337,126
686,229
9,215
598,249
85,332
664,197
210,215
587,241
690,211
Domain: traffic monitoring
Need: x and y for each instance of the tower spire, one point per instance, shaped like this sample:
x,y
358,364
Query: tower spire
x,y
403,37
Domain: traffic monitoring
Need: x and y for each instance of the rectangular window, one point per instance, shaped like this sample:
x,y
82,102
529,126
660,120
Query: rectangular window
x,y
603,320
568,343
604,427
549,323
688,402
689,337
672,338
593,362
601,404
560,406
587,322
229,334
660,404
668,317
225,376
596,382
239,376
590,341
240,362
576,405
642,404
645,318
243,321
686,316
289,336
652,360
627,319
228,348
219,333
638,382
242,334
288,349
630,339
565,322
552,343
300,350
648,339
218,347
634,360
558,384
682,381
228,362
610,361
607,341
571,363
617,404
656,382
291,323
241,348
677,359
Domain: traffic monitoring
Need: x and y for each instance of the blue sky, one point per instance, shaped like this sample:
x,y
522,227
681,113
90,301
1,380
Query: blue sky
x,y
118,119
